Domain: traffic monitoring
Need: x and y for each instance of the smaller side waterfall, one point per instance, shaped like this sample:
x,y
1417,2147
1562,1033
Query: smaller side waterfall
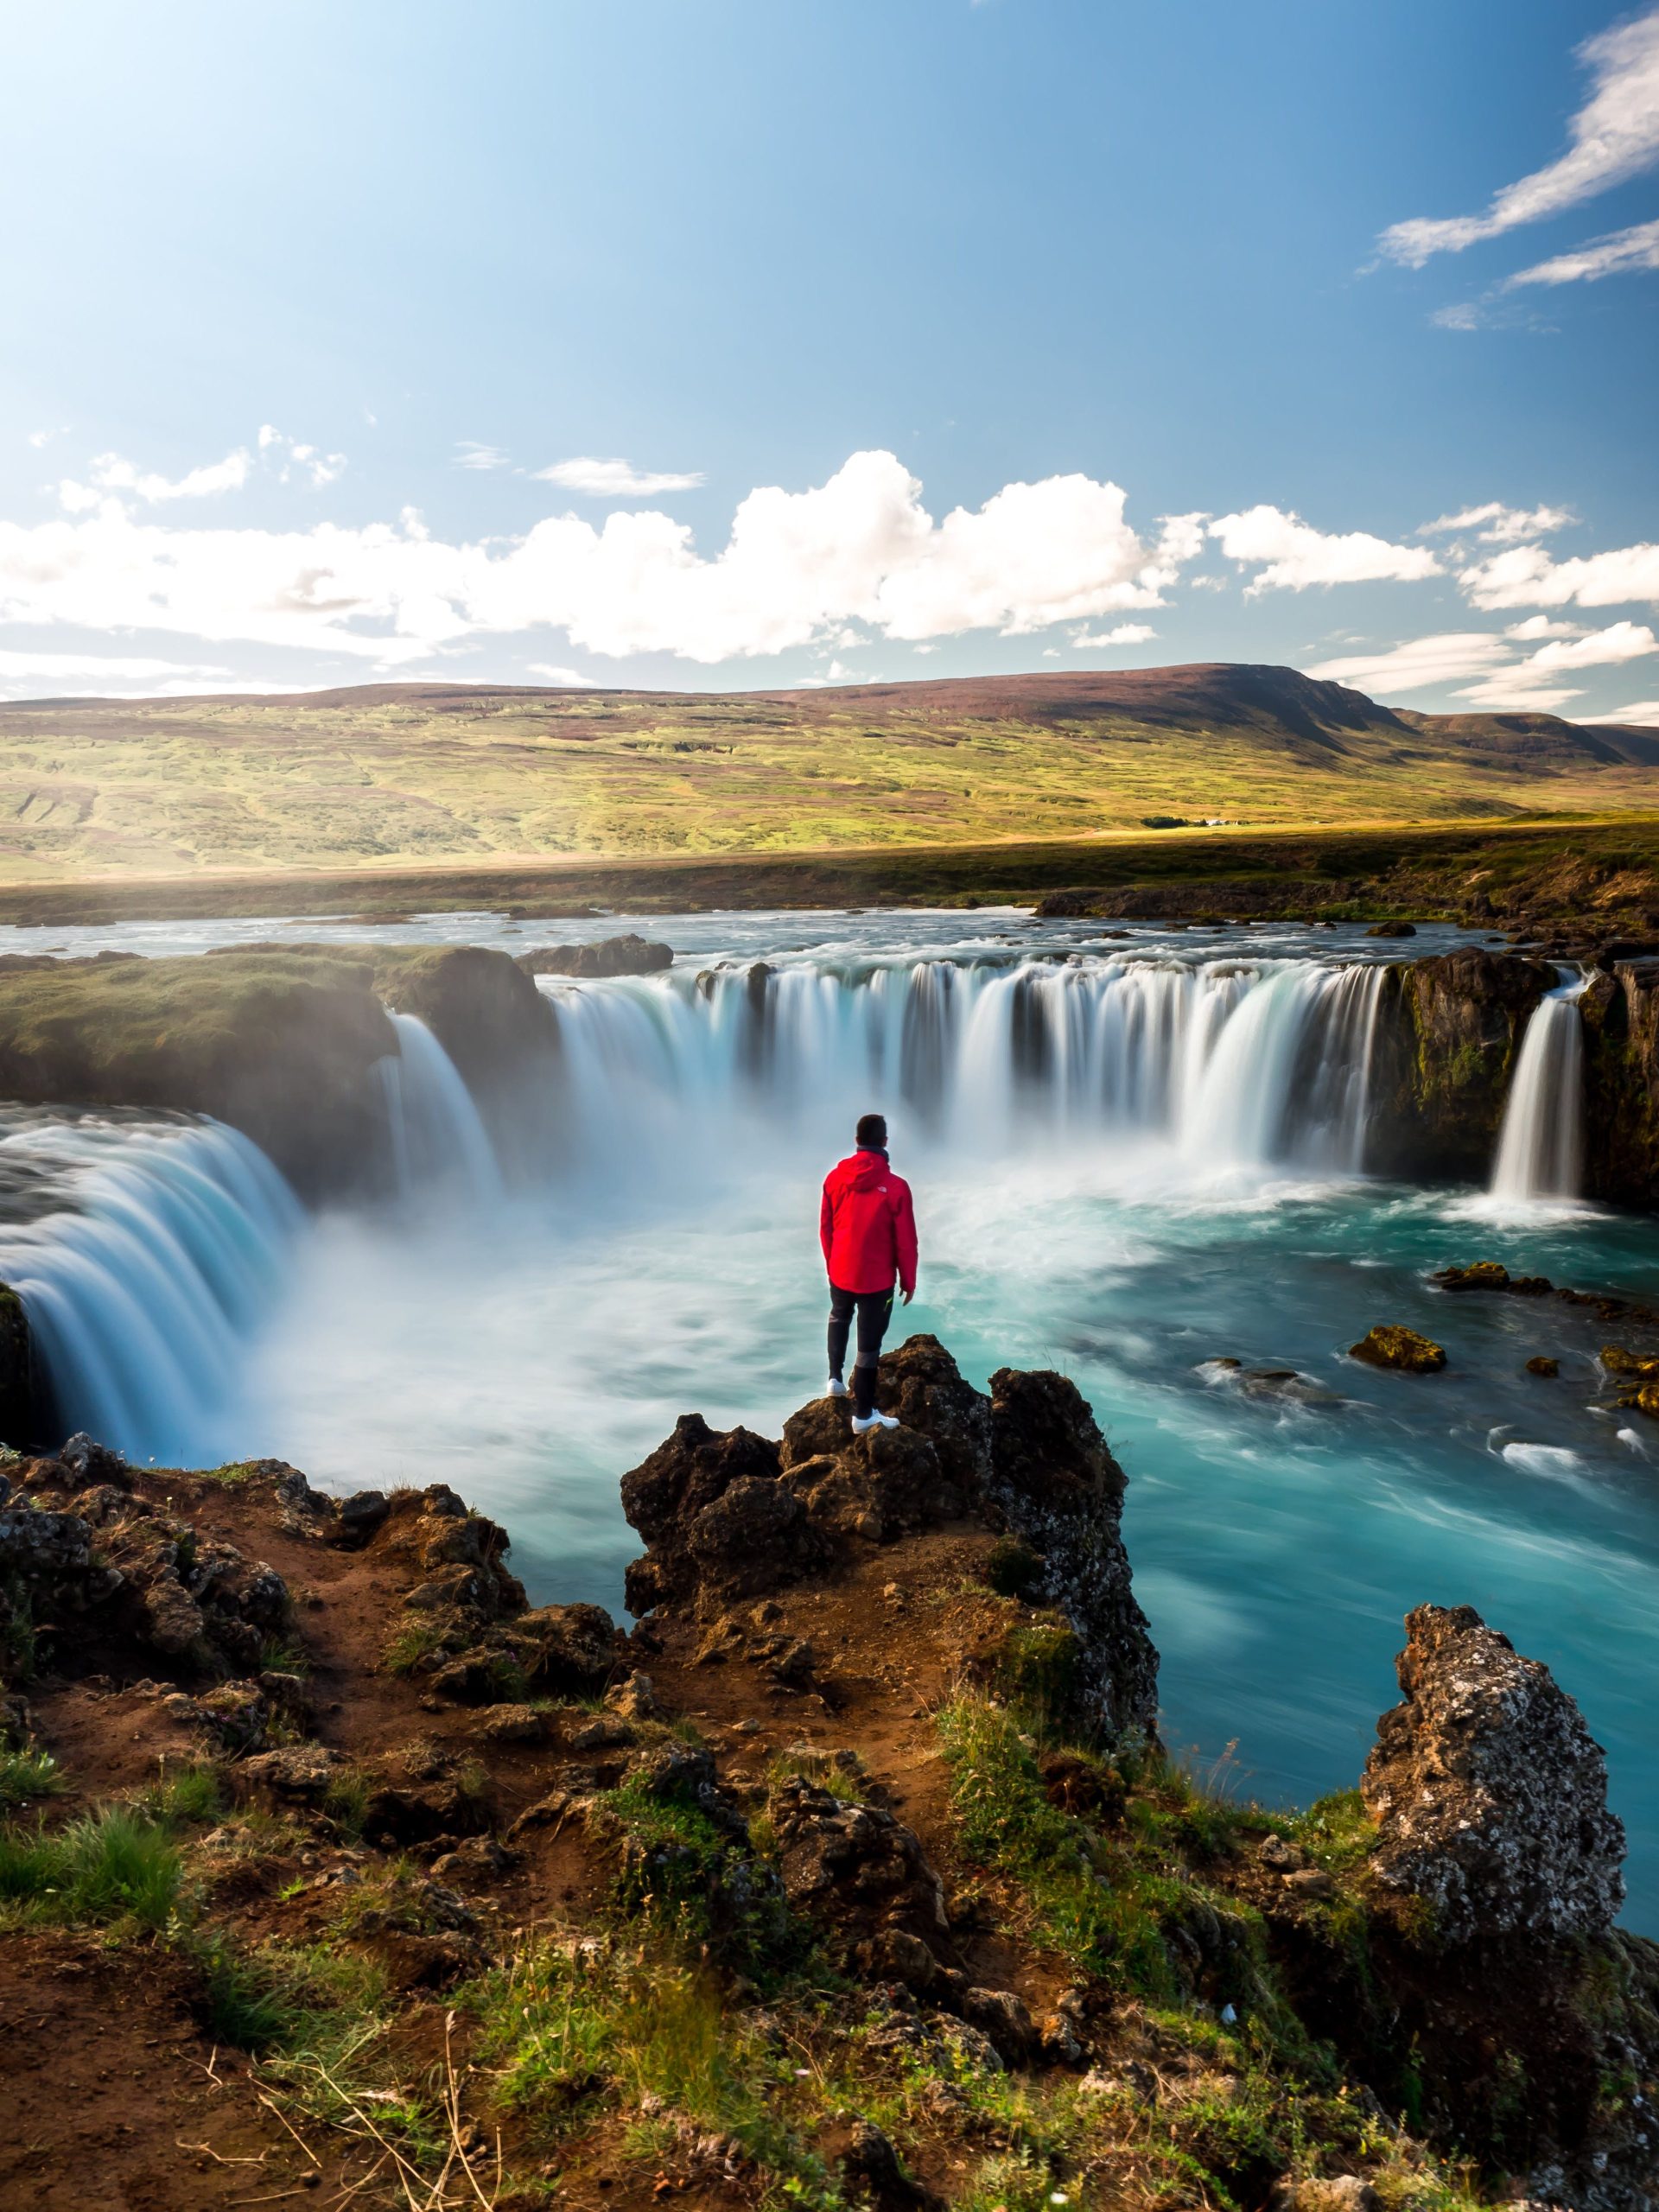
x,y
140,1290
438,1136
1539,1147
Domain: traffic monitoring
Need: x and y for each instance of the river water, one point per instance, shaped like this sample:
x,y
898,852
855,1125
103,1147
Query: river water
x,y
1133,1157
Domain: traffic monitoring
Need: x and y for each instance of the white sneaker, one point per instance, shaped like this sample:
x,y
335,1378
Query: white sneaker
x,y
862,1423
834,1387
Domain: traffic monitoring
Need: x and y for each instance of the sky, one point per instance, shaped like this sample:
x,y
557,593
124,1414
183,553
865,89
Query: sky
x,y
737,343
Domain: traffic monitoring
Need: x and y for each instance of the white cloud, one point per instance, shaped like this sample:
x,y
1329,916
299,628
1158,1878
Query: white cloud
x,y
1615,134
797,568
1294,554
1125,633
1527,575
1502,525
110,473
1518,691
1417,664
1622,641
550,675
1612,255
615,480
1460,314
1541,625
1530,681
111,476
1645,712
470,455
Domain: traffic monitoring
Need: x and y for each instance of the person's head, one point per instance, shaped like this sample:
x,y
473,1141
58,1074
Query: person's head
x,y
872,1133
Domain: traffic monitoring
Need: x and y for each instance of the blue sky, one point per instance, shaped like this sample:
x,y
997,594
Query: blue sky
x,y
917,337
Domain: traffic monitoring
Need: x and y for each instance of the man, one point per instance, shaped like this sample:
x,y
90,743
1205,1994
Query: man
x,y
868,1228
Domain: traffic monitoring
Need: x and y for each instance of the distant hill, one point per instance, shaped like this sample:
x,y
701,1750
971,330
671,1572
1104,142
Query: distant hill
x,y
430,773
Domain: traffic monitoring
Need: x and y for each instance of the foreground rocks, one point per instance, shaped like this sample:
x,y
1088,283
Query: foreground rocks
x,y
726,1515
1490,1796
627,955
867,1809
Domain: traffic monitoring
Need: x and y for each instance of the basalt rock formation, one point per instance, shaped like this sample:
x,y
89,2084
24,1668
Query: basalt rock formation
x,y
627,955
1489,1794
283,1042
1448,1032
727,1516
1620,1012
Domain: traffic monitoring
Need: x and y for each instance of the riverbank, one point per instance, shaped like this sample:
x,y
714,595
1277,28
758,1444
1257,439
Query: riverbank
x,y
1598,877
855,1874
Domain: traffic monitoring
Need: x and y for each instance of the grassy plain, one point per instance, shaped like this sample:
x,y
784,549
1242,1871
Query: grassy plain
x,y
419,776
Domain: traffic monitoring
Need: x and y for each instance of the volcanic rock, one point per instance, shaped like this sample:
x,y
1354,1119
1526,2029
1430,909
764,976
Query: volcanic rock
x,y
627,955
1388,1345
1490,1794
860,1873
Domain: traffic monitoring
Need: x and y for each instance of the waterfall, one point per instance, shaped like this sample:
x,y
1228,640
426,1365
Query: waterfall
x,y
1539,1147
165,1250
1227,1064
437,1135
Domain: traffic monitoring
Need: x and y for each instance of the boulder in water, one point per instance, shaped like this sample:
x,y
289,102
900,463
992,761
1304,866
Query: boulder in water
x,y
627,955
1392,929
1390,1344
1541,1364
1489,1792
1636,1367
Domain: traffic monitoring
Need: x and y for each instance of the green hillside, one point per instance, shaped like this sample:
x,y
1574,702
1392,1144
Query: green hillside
x,y
411,774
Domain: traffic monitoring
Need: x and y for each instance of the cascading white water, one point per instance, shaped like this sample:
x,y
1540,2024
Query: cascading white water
x,y
1540,1146
166,1251
437,1134
1232,1065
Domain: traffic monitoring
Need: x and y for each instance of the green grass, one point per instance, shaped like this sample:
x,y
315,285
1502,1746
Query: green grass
x,y
25,1776
113,1865
168,786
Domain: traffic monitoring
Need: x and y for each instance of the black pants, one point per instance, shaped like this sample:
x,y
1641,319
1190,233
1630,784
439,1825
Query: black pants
x,y
874,1311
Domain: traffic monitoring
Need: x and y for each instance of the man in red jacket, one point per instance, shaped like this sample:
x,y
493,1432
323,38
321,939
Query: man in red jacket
x,y
868,1228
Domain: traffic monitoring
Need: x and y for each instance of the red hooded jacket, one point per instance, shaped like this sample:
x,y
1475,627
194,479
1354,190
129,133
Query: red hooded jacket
x,y
866,1225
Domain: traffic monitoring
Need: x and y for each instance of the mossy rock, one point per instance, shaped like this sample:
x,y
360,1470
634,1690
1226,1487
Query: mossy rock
x,y
1388,1345
1541,1364
1634,1366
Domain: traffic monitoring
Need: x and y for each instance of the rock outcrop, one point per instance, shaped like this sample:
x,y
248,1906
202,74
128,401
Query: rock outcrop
x,y
627,955
1620,1014
283,1042
1448,1032
1388,1344
1489,1793
729,1515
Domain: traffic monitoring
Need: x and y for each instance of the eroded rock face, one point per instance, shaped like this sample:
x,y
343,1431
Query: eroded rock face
x,y
1490,1794
1447,1035
627,955
729,1515
1620,1014
1056,1484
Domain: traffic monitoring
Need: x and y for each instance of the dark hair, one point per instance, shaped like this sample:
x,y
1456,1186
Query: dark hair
x,y
872,1131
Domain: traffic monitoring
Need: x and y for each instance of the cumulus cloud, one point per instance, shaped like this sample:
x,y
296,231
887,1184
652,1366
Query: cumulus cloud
x,y
1621,641
797,568
1645,712
566,675
1124,633
1291,553
1496,524
110,473
1612,255
1504,678
1527,575
1541,625
1417,664
615,480
1614,135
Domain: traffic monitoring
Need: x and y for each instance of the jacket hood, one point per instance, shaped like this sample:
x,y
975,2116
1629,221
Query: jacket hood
x,y
868,1168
